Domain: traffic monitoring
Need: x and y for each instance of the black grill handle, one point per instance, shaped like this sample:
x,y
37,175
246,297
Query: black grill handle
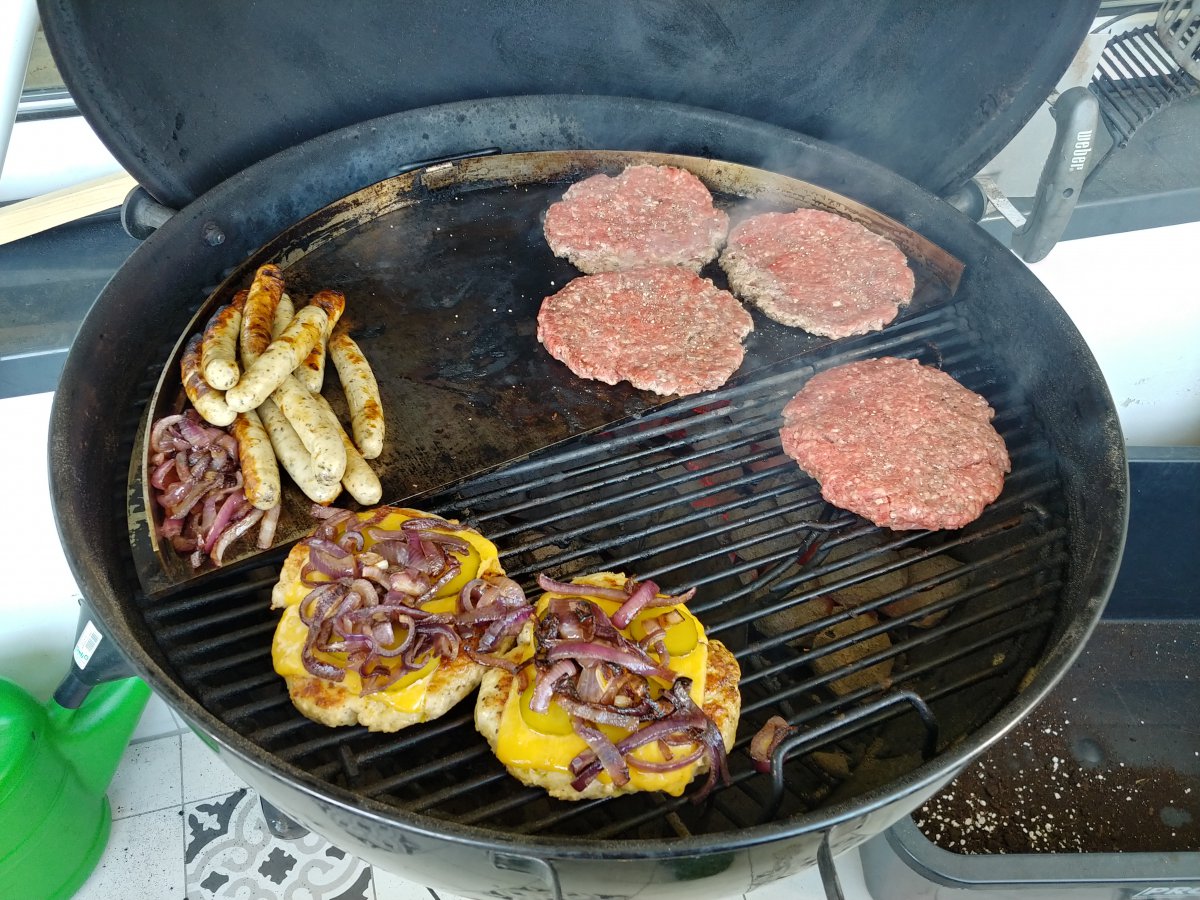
x,y
827,731
1076,117
95,659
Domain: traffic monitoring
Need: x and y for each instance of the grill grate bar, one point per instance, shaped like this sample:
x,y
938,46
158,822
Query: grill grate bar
x,y
646,491
254,682
752,615
159,610
933,635
454,791
397,744
962,651
385,785
735,428
194,648
1009,577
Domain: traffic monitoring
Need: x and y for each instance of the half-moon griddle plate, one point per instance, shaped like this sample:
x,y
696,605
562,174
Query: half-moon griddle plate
x,y
444,270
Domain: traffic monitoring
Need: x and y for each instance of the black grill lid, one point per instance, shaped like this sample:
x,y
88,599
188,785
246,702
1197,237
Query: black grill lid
x,y
187,93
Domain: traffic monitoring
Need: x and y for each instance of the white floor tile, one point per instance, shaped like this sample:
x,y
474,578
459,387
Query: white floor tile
x,y
393,887
204,775
143,860
157,721
148,778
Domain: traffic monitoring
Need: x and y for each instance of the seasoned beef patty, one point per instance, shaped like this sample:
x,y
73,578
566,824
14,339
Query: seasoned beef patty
x,y
899,443
646,216
818,271
663,329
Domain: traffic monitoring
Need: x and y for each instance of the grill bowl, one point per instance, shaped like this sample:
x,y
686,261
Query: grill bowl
x,y
1004,331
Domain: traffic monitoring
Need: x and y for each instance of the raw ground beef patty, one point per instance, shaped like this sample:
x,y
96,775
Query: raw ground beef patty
x,y
899,443
646,216
662,329
818,271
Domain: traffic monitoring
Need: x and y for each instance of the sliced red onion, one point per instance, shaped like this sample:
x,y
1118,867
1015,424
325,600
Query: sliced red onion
x,y
594,712
235,531
766,740
642,595
609,756
543,689
569,589
670,765
266,531
222,519
625,657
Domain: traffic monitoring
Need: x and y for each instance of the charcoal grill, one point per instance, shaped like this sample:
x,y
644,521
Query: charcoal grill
x,y
691,493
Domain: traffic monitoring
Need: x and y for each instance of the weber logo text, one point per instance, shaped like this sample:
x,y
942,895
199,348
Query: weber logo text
x,y
1083,146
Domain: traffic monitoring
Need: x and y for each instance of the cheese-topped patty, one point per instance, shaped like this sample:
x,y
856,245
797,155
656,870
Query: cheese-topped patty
x,y
417,695
538,748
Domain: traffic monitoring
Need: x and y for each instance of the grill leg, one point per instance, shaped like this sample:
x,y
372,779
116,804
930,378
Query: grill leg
x,y
279,824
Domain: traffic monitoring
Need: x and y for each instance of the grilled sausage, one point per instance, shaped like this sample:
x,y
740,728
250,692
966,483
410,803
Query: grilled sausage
x,y
311,372
362,393
316,428
293,456
218,346
259,314
279,359
208,402
283,314
260,472
359,479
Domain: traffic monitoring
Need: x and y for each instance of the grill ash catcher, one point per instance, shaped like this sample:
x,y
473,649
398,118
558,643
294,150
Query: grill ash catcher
x,y
693,492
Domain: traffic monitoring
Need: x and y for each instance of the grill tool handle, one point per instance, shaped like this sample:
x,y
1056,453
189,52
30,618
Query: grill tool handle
x,y
1076,114
540,869
95,659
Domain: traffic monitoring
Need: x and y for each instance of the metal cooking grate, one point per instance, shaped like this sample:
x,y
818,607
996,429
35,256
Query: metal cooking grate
x,y
1135,78
702,495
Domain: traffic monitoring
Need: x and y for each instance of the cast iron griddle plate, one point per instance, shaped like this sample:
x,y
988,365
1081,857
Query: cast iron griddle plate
x,y
444,270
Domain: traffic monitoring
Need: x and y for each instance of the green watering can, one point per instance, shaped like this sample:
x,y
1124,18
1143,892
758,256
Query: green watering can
x,y
56,762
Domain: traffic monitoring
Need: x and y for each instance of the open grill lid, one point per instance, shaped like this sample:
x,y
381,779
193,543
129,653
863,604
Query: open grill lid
x,y
185,94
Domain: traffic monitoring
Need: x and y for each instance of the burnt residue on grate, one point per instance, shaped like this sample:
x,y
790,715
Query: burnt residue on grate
x,y
698,493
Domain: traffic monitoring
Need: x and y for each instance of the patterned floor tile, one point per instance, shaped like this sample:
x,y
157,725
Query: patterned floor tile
x,y
230,855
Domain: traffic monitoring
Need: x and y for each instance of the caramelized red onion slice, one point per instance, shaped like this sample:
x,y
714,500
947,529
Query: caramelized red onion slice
x,y
672,764
567,589
766,740
626,657
607,754
198,484
543,689
687,724
371,609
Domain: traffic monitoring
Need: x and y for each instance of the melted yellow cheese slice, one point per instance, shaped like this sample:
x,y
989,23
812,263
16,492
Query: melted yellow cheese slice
x,y
408,693
519,745
482,558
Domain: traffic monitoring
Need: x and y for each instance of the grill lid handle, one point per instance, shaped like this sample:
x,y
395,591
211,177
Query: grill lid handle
x,y
1076,115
